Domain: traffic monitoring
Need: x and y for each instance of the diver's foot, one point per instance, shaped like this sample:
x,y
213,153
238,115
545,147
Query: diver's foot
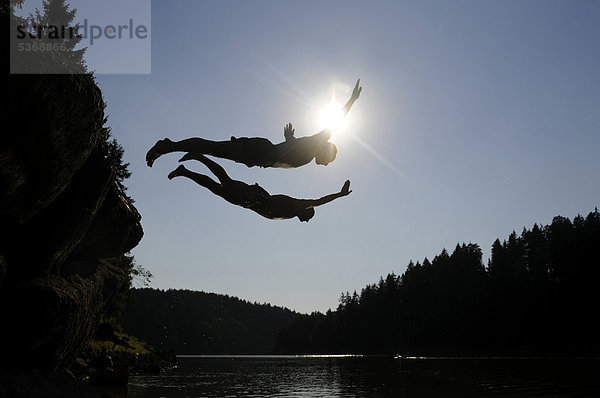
x,y
160,148
178,172
187,156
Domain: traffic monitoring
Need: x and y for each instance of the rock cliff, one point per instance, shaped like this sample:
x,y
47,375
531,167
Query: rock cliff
x,y
62,219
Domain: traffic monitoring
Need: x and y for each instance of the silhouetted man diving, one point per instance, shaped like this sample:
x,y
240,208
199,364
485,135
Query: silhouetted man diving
x,y
254,197
256,151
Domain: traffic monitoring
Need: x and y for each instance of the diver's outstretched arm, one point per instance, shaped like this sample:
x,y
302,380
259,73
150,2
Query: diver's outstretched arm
x,y
345,191
353,97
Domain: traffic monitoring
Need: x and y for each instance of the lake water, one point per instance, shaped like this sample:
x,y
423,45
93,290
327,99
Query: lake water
x,y
323,376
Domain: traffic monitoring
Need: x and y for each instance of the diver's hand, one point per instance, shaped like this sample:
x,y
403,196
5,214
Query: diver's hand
x,y
288,132
356,91
355,94
346,188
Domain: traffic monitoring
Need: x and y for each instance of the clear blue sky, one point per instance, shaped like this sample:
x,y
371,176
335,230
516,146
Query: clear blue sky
x,y
476,118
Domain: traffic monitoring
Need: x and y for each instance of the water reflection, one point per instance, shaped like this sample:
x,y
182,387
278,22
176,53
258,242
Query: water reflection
x,y
369,377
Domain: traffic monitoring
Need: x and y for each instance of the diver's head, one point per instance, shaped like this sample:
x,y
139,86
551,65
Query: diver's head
x,y
326,153
306,214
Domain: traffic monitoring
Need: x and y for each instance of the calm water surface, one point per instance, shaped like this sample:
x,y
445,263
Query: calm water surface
x,y
281,376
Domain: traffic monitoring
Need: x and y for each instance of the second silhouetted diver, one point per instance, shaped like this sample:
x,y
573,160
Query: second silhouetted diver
x,y
256,151
254,197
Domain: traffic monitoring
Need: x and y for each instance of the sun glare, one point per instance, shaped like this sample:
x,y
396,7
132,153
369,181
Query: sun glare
x,y
332,117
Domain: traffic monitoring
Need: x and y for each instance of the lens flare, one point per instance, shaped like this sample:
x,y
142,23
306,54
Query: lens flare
x,y
332,116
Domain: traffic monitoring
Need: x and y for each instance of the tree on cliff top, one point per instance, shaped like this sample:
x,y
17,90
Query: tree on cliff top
x,y
50,33
48,25
114,154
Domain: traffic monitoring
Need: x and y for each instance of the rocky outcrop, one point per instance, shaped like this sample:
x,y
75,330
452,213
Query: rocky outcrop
x,y
57,124
57,315
62,219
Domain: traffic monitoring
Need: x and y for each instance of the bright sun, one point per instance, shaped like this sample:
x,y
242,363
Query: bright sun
x,y
332,116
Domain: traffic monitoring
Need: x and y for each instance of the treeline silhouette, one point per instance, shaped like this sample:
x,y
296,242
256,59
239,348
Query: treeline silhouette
x,y
192,322
537,295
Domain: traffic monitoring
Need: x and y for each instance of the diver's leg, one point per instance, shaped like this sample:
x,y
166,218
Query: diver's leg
x,y
254,151
198,145
214,167
199,179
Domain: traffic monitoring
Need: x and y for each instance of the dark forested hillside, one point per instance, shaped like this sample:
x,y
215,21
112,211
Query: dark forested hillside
x,y
190,322
538,294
